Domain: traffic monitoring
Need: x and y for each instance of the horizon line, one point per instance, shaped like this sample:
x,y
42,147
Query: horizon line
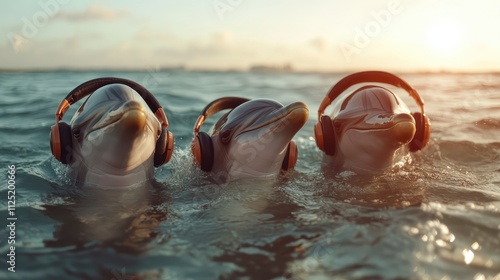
x,y
252,69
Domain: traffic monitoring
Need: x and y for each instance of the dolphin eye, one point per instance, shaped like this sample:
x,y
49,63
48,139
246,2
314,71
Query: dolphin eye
x,y
225,136
76,133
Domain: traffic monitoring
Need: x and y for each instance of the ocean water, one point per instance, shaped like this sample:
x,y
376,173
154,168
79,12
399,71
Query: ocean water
x,y
435,218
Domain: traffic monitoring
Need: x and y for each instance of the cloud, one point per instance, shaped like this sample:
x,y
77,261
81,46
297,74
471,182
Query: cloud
x,y
221,39
218,43
94,12
148,34
319,43
72,43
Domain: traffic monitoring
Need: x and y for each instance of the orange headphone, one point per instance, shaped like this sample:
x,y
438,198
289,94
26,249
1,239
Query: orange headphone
x,y
61,139
202,146
324,131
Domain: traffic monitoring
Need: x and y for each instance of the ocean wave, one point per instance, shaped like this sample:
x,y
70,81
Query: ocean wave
x,y
488,123
467,152
395,225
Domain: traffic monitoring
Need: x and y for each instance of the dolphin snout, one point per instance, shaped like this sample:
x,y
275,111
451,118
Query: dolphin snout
x,y
293,116
403,129
134,118
297,112
399,118
396,128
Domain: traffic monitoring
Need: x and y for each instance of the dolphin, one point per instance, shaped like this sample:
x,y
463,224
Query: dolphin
x,y
114,133
373,128
251,140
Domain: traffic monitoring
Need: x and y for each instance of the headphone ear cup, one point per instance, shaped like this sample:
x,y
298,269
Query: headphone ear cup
x,y
164,147
290,157
328,135
318,135
61,142
196,150
422,133
203,151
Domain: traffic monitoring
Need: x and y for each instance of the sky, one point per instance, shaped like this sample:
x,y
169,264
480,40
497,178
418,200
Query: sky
x,y
320,35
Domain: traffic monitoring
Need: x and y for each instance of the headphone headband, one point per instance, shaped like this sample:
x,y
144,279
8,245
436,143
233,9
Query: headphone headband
x,y
369,76
215,107
89,87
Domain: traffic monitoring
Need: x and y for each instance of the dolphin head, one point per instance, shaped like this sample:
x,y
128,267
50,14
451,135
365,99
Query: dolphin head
x,y
372,128
114,137
251,140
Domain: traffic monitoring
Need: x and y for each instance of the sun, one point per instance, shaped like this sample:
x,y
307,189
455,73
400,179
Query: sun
x,y
444,36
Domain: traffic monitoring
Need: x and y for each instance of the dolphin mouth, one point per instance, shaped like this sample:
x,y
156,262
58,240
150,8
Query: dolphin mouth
x,y
294,115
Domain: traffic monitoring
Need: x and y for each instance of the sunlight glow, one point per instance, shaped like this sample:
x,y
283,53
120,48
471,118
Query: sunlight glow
x,y
340,36
444,36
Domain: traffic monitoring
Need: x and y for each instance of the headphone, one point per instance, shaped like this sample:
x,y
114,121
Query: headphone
x,y
324,131
202,146
61,141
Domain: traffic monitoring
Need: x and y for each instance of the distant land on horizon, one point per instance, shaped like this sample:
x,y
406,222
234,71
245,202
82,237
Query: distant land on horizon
x,y
257,68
